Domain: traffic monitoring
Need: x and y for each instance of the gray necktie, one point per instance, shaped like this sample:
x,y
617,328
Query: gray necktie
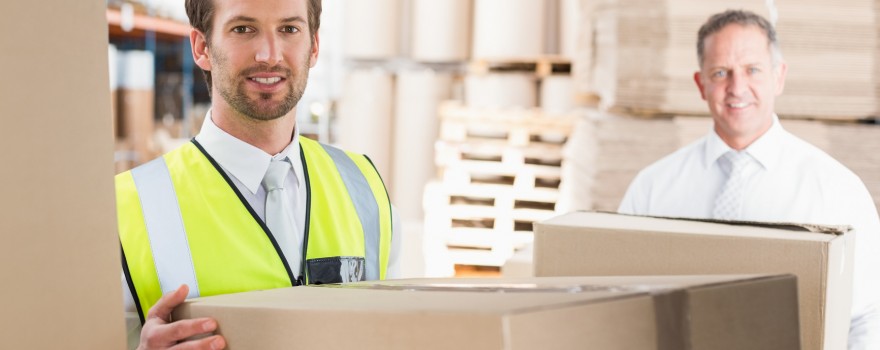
x,y
728,204
279,214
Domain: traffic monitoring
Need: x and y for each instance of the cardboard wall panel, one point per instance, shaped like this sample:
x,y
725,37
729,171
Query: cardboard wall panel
x,y
59,252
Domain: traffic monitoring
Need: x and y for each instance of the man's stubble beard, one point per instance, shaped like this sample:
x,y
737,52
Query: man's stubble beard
x,y
233,89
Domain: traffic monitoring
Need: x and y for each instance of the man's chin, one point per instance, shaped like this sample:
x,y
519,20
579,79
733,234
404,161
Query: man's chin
x,y
270,114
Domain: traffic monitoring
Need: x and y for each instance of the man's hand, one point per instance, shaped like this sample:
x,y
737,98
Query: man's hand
x,y
160,333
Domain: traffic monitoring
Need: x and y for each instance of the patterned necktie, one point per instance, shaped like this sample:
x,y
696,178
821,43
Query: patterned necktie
x,y
279,215
728,204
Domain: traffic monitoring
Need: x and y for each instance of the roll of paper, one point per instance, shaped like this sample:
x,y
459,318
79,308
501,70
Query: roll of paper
x,y
508,29
570,22
416,127
500,90
557,94
364,123
372,29
441,30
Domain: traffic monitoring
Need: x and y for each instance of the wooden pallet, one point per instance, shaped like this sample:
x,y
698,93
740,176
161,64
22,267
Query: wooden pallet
x,y
500,208
540,66
520,127
478,257
484,224
500,173
519,177
450,153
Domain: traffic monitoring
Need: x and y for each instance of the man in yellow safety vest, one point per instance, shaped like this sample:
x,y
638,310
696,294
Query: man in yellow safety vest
x,y
249,204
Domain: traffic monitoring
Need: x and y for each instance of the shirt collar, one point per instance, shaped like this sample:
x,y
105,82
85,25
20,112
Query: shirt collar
x,y
240,159
766,149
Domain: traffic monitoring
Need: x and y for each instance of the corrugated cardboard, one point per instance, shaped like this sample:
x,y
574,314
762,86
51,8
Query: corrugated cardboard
x,y
599,244
632,313
59,251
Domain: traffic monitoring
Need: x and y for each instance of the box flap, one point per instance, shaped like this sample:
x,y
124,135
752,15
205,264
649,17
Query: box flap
x,y
786,231
790,226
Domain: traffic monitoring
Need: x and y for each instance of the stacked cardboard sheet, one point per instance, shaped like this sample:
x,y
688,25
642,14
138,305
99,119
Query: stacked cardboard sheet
x,y
829,48
858,147
624,146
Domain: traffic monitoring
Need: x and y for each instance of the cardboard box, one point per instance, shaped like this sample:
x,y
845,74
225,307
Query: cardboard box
x,y
59,248
599,244
658,312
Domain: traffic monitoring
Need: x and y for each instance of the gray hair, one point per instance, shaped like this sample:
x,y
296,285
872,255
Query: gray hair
x,y
744,18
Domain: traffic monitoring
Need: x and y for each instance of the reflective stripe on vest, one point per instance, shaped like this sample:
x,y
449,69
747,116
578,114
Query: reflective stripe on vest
x,y
181,220
365,205
168,241
340,184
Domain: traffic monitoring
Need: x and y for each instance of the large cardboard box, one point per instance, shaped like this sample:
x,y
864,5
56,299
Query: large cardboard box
x,y
632,313
59,250
599,244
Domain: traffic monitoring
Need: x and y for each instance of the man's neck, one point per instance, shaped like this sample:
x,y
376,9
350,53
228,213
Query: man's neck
x,y
741,142
271,136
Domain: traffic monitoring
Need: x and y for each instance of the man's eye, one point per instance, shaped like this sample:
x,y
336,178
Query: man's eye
x,y
719,74
754,70
289,29
241,30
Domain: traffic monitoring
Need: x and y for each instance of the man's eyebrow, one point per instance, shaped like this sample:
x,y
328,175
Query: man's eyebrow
x,y
241,19
247,19
294,19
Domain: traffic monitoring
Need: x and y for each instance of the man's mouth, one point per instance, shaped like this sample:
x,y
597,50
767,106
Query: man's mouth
x,y
267,81
738,105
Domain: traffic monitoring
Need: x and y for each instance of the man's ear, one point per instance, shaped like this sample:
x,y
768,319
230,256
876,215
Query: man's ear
x,y
313,55
779,72
199,44
700,86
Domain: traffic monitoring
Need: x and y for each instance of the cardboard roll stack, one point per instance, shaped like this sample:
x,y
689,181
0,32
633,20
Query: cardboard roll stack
x,y
829,48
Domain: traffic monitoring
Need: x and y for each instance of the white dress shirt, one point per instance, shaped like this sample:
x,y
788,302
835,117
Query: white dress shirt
x,y
246,165
788,180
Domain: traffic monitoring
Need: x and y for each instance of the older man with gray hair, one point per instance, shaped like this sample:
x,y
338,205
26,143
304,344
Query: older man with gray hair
x,y
750,168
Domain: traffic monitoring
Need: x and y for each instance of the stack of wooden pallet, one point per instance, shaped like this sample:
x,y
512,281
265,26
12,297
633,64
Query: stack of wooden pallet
x,y
499,173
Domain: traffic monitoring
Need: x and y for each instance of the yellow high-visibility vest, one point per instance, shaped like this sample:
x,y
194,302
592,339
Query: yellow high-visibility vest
x,y
182,220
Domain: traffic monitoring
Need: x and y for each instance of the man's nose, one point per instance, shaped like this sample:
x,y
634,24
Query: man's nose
x,y
737,83
269,50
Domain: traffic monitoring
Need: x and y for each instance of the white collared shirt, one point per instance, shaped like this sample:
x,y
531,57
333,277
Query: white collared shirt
x,y
788,181
246,165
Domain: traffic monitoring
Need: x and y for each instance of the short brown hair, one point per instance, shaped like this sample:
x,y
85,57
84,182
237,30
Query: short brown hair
x,y
201,15
741,17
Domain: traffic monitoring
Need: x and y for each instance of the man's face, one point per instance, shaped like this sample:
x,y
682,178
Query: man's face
x,y
260,52
739,82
